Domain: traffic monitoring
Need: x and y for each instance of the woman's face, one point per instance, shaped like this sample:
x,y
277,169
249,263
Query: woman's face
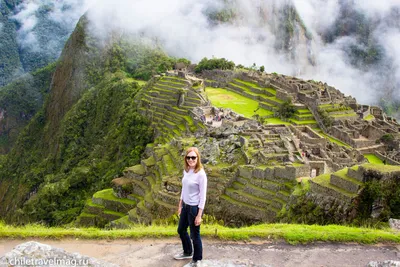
x,y
191,159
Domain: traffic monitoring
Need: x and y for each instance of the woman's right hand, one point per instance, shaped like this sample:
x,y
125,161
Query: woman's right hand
x,y
179,210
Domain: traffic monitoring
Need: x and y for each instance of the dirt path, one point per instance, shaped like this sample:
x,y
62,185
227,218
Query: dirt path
x,y
159,252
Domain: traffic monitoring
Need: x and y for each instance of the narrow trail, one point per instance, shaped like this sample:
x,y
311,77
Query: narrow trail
x,y
159,252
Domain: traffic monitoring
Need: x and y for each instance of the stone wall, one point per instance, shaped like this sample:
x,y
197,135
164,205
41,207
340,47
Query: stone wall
x,y
336,180
280,94
356,174
287,172
320,166
376,111
303,171
246,171
325,191
309,136
343,135
372,132
372,149
377,175
281,83
386,159
273,174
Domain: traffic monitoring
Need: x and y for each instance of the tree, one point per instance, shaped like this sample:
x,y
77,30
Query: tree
x,y
262,69
214,63
286,110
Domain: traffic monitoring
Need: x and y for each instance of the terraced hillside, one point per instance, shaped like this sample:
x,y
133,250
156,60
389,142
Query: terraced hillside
x,y
338,111
168,102
342,185
258,194
253,159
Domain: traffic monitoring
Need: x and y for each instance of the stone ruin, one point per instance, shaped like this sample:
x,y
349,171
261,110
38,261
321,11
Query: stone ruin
x,y
253,166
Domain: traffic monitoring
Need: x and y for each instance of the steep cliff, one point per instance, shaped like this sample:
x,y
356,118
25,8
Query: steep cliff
x,y
19,102
26,48
9,55
291,36
85,134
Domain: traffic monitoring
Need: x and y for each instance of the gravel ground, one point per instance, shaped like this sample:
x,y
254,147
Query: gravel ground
x,y
159,252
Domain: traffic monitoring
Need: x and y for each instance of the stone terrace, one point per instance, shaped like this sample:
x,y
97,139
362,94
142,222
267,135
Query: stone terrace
x,y
168,102
252,167
341,187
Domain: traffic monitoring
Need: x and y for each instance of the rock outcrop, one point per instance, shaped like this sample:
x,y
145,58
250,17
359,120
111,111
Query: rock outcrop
x,y
38,254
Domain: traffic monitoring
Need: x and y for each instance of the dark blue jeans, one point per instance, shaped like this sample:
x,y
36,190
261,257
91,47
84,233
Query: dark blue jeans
x,y
188,214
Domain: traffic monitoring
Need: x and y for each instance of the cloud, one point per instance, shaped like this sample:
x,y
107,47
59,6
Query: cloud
x,y
183,29
374,7
317,15
68,12
333,66
47,21
26,16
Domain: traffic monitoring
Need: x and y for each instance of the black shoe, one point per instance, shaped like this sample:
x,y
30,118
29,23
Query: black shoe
x,y
183,256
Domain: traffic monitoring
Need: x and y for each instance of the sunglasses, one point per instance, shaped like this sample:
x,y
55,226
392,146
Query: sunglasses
x,y
192,158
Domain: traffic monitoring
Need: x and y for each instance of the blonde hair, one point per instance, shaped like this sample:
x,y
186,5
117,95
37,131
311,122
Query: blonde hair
x,y
199,166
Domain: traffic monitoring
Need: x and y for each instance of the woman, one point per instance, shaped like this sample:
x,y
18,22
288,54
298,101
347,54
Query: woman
x,y
191,206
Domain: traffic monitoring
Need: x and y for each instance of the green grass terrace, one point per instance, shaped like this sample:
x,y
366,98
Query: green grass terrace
x,y
291,233
372,158
223,98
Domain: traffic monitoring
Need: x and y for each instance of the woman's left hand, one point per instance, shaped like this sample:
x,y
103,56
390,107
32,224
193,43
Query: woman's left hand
x,y
197,221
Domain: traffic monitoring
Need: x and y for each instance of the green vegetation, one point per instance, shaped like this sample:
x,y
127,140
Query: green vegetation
x,y
226,99
369,117
18,55
333,139
386,190
140,82
296,122
276,121
292,233
391,107
22,99
98,138
214,63
136,59
225,15
109,195
286,110
10,63
372,158
326,119
67,153
381,168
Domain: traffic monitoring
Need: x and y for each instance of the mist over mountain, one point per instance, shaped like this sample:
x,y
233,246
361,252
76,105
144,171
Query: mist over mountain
x,y
348,44
33,33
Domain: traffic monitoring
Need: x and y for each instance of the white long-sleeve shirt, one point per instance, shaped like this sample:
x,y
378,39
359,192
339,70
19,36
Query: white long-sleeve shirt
x,y
194,188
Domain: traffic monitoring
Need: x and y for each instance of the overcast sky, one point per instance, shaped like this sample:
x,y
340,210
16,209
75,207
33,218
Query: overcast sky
x,y
184,30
